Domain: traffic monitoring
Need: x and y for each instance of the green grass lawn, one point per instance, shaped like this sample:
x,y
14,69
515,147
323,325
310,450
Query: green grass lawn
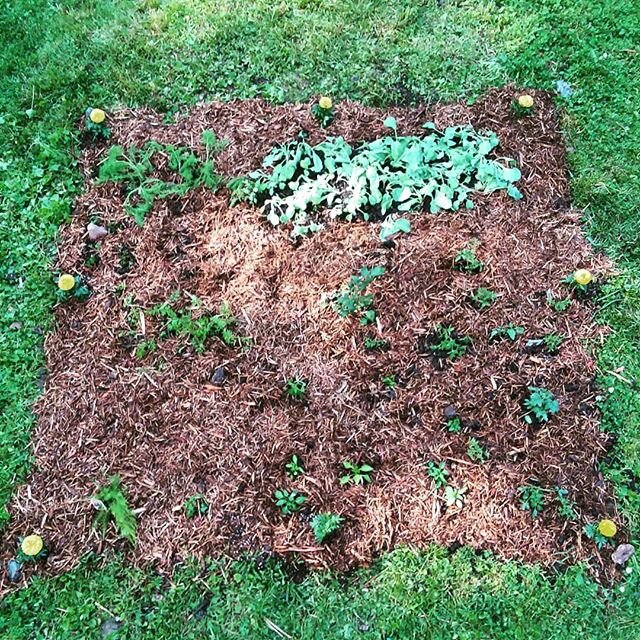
x,y
59,57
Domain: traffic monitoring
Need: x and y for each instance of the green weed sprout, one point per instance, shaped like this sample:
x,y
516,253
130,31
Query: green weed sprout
x,y
325,524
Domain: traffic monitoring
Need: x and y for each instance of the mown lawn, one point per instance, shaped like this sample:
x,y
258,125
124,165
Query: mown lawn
x,y
59,57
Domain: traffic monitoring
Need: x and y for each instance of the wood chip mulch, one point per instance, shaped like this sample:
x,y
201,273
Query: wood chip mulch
x,y
170,431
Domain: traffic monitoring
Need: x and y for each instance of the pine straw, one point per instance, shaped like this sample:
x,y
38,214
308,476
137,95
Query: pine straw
x,y
169,432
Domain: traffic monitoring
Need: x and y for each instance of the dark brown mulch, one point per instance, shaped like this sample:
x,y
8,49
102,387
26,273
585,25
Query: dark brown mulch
x,y
170,432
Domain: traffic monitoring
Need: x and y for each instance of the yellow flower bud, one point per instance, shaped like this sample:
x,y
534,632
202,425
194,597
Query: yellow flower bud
x,y
32,545
325,103
607,528
66,282
525,101
97,116
583,277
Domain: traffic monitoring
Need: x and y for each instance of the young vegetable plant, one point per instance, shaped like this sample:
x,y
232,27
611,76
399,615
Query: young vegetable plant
x,y
195,505
467,261
325,525
566,506
454,425
558,304
509,331
438,473
454,496
294,467
541,404
112,506
356,474
289,501
295,388
375,344
390,382
553,341
447,343
531,499
482,298
476,452
353,300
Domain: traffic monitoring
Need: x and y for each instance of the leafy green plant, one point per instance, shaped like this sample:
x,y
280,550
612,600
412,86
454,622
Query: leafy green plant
x,y
437,471
566,506
356,474
392,226
325,524
476,451
134,167
509,331
112,506
353,299
592,532
531,499
454,496
323,111
295,388
482,298
466,260
375,344
390,382
289,501
195,505
145,347
447,343
391,174
79,291
558,304
294,467
198,329
541,404
553,341
454,425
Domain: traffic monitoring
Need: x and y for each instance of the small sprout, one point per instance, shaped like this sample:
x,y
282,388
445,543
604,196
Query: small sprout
x,y
506,331
97,116
195,505
289,501
454,425
294,467
390,382
447,343
566,507
525,101
531,499
482,298
558,305
476,452
466,260
583,277
32,546
607,528
541,404
325,524
552,342
66,282
375,344
356,474
454,497
295,388
438,473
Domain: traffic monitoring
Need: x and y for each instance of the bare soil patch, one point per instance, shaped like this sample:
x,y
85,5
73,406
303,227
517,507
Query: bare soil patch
x,y
171,430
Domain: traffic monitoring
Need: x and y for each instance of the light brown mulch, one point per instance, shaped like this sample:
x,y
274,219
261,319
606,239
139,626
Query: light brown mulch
x,y
169,432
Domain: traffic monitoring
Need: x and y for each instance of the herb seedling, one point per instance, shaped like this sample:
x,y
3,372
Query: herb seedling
x,y
467,261
448,344
482,298
289,501
454,425
438,473
558,304
356,474
476,452
531,499
353,300
195,505
145,348
566,506
509,331
541,404
375,344
390,382
111,504
295,388
325,524
454,496
552,342
294,467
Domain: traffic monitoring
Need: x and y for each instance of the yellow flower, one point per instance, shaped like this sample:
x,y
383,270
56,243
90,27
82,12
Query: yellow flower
x,y
32,545
525,101
66,282
97,116
607,528
583,277
325,103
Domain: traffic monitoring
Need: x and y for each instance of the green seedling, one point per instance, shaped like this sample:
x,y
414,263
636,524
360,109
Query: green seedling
x,y
482,298
325,524
289,501
447,343
541,404
531,499
476,452
295,388
467,261
195,505
553,341
438,473
375,344
112,506
390,382
294,467
558,304
145,348
566,506
356,474
509,331
454,496
454,425
353,300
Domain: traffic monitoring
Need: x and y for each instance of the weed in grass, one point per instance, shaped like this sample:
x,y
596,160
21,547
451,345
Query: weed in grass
x,y
467,261
195,505
531,499
454,496
566,506
437,471
112,506
482,298
289,501
356,474
476,452
294,467
541,404
353,300
509,331
324,525
553,341
447,343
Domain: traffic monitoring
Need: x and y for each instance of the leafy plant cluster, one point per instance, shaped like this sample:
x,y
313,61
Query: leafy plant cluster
x,y
438,472
112,506
541,405
440,169
353,299
134,168
447,343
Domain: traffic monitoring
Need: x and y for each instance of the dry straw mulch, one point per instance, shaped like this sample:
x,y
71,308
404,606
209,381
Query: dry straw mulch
x,y
170,432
